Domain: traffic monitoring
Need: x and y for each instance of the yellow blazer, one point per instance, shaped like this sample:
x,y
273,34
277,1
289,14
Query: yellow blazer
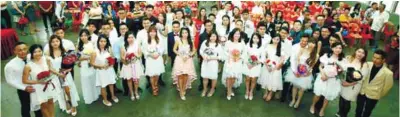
x,y
380,85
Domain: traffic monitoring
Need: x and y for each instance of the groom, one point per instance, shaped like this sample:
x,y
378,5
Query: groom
x,y
13,73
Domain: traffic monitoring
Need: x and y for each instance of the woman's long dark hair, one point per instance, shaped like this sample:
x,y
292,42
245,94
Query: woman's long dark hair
x,y
278,47
80,43
364,59
276,16
51,49
152,28
189,39
341,55
312,59
259,40
209,39
165,18
126,43
33,48
229,24
106,48
199,15
230,37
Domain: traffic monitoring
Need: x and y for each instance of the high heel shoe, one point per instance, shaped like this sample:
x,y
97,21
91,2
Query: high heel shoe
x,y
133,98
116,100
312,110
251,97
203,93
246,96
228,97
183,98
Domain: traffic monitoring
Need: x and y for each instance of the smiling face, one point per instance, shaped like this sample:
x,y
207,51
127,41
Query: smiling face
x,y
337,49
213,37
255,39
131,38
360,54
21,51
37,53
84,37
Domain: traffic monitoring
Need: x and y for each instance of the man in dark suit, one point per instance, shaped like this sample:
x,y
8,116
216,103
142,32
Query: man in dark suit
x,y
176,27
122,19
148,14
269,25
209,28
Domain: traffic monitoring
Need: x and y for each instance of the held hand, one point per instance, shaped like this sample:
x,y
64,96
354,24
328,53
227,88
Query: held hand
x,y
29,89
323,77
249,66
297,75
61,76
344,83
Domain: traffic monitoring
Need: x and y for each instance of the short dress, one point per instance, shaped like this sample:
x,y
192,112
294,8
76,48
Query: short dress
x,y
271,80
39,96
233,69
330,88
184,67
255,71
300,82
134,70
104,77
209,68
154,67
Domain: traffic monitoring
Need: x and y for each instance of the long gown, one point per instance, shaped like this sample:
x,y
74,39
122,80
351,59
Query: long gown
x,y
90,91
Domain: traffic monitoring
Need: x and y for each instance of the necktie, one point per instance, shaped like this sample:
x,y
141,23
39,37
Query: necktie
x,y
25,61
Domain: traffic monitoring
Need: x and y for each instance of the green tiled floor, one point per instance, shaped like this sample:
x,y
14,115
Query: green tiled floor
x,y
168,104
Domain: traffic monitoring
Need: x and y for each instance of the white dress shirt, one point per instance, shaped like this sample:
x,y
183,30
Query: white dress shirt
x,y
142,37
13,73
59,11
93,39
248,28
379,20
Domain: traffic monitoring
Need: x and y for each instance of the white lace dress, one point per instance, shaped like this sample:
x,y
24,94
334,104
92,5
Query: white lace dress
x,y
233,69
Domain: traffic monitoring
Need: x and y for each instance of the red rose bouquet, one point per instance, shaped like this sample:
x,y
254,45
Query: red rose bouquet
x,y
302,69
253,59
110,61
44,76
130,57
270,64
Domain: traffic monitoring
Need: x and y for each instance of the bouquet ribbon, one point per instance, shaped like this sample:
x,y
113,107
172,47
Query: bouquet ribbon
x,y
47,84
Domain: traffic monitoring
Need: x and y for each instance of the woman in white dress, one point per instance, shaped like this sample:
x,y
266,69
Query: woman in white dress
x,y
253,68
350,91
68,96
327,84
233,68
169,17
210,50
271,74
105,74
89,89
302,81
152,51
43,97
224,28
183,72
131,70
162,33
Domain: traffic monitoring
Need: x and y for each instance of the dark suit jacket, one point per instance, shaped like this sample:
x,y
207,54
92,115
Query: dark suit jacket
x,y
129,24
203,37
171,43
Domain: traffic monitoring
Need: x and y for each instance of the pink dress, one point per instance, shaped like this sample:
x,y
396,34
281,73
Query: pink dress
x,y
184,67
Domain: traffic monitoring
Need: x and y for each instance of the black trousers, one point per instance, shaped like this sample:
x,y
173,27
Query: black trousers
x,y
47,18
344,107
25,100
286,91
365,106
6,16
